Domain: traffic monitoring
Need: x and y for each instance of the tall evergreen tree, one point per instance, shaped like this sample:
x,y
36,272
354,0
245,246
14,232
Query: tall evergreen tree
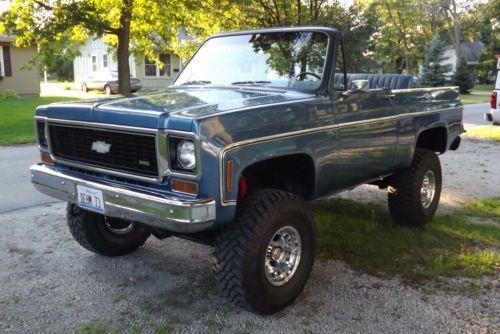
x,y
463,77
433,71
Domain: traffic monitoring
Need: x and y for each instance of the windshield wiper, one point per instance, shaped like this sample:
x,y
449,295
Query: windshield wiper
x,y
196,82
257,82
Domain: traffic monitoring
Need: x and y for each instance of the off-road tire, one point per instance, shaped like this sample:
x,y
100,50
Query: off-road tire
x,y
89,230
240,251
404,197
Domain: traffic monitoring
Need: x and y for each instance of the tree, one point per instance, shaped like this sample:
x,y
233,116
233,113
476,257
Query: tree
x,y
433,71
450,10
463,77
138,26
56,57
482,23
358,23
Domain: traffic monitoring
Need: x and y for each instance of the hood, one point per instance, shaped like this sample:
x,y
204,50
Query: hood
x,y
172,109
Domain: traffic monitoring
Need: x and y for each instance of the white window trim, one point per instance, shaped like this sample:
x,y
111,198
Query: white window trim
x,y
105,64
92,63
2,66
157,74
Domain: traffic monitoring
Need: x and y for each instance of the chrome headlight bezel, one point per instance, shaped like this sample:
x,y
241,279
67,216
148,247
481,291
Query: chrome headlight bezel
x,y
175,163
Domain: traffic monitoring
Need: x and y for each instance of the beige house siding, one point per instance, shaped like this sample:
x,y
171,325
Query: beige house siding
x,y
22,81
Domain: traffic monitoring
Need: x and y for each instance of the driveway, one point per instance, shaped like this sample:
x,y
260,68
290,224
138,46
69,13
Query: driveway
x,y
52,285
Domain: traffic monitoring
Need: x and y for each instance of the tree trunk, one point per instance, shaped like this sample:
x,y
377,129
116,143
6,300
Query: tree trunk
x,y
123,49
456,33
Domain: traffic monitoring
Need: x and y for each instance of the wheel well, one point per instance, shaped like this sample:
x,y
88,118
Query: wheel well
x,y
293,173
433,139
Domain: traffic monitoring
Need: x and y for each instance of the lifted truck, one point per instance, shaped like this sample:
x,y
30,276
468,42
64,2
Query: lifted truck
x,y
257,124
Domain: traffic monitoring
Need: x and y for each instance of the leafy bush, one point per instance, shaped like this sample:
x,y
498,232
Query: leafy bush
x,y
8,94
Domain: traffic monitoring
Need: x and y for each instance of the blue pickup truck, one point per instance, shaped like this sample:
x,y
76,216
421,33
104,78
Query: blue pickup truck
x,y
256,124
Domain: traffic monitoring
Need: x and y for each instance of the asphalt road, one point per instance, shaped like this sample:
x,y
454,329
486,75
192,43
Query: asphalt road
x,y
16,191
474,115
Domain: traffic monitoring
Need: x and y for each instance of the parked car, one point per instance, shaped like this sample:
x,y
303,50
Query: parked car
x,y
107,81
494,114
257,124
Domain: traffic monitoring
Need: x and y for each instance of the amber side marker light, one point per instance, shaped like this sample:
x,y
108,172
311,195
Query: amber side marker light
x,y
46,158
184,187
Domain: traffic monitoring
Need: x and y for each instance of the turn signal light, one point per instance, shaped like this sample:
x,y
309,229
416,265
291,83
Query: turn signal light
x,y
46,158
493,100
184,187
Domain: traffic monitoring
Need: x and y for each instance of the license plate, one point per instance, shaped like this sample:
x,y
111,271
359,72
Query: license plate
x,y
90,199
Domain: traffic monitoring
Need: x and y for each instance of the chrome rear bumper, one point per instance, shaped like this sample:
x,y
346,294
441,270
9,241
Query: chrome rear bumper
x,y
183,216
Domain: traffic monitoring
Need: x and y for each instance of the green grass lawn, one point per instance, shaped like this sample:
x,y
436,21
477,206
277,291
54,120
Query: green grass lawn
x,y
479,94
16,118
462,244
491,132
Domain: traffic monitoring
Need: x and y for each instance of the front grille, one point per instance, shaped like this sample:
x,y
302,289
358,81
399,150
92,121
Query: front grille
x,y
128,152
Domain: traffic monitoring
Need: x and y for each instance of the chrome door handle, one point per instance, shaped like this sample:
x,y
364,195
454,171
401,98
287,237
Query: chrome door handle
x,y
389,96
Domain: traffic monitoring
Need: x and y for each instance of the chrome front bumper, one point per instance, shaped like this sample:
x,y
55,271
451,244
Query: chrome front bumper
x,y
183,216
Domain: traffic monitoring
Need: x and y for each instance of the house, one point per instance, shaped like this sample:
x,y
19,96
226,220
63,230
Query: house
x,y
14,74
471,51
96,56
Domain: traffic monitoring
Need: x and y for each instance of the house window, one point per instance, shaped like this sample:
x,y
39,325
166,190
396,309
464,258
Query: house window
x,y
165,59
2,69
105,63
94,63
151,69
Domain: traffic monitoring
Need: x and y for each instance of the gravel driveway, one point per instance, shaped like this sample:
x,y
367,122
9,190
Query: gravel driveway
x,y
49,284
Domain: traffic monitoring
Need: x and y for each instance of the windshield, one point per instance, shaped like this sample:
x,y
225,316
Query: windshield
x,y
281,59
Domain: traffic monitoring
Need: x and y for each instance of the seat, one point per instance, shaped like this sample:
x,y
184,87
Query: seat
x,y
377,81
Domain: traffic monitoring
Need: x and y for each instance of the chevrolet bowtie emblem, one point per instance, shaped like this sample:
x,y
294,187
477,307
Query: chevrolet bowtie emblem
x,y
101,147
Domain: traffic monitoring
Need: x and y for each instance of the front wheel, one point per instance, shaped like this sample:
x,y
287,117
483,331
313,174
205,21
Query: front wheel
x,y
414,192
263,259
104,235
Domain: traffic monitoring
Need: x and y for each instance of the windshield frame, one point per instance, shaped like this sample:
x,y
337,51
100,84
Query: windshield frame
x,y
325,78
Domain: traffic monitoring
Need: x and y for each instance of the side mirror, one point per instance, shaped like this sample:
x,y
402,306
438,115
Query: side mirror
x,y
361,85
357,86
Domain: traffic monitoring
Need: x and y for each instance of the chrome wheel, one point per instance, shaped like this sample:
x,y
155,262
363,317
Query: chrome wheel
x,y
283,255
428,189
119,227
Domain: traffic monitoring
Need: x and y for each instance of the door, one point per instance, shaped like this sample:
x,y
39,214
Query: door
x,y
367,135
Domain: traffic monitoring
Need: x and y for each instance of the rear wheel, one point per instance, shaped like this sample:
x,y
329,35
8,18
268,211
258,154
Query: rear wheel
x,y
108,90
263,259
414,192
104,235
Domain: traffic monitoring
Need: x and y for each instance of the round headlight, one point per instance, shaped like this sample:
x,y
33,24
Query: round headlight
x,y
186,155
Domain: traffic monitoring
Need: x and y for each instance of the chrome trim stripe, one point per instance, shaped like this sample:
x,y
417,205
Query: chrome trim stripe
x,y
106,171
232,146
124,128
424,89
